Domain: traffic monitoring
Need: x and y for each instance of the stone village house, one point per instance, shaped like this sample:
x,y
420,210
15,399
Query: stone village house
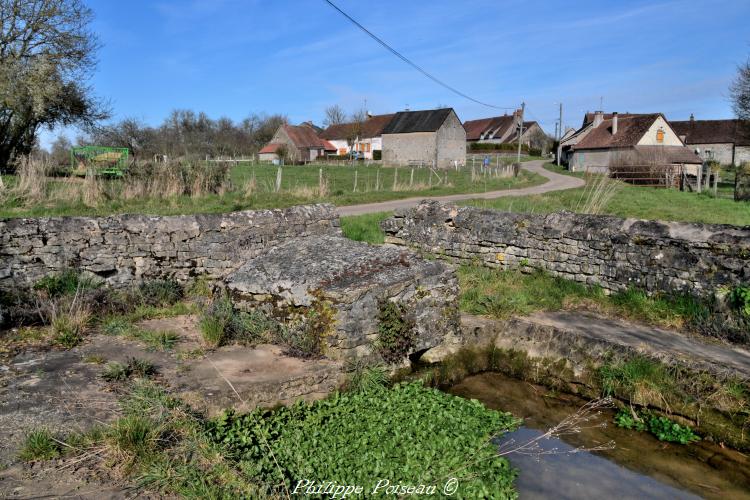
x,y
364,138
604,138
725,141
504,130
433,137
301,142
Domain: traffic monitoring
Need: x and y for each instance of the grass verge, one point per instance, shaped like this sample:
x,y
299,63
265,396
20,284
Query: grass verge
x,y
505,293
630,201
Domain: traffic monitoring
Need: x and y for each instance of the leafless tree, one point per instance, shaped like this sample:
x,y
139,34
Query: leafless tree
x,y
739,92
335,115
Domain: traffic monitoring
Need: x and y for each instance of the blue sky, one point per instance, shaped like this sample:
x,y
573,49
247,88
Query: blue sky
x,y
233,58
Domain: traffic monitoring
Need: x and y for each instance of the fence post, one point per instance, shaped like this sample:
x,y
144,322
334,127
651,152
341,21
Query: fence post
x,y
430,178
278,179
395,178
700,178
377,179
355,182
320,181
411,178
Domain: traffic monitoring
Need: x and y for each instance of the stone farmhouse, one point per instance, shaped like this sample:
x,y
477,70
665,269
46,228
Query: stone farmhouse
x,y
725,141
301,142
434,137
364,138
502,130
605,137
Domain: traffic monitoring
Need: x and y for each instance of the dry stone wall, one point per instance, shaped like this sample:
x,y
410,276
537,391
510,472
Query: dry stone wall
x,y
128,248
608,251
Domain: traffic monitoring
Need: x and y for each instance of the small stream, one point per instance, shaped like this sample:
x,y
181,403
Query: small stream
x,y
639,466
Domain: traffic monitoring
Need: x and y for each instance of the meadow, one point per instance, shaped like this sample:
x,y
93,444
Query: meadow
x,y
178,188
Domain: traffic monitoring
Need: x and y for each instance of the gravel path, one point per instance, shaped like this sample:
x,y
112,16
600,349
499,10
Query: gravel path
x,y
556,182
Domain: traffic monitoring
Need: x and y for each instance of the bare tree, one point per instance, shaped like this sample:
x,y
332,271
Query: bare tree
x,y
46,57
60,151
334,116
739,92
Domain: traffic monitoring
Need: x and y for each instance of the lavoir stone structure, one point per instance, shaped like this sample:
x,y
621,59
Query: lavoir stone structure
x,y
608,251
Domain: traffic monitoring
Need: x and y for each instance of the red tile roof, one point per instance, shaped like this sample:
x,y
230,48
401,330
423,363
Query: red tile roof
x,y
303,136
713,131
271,147
497,124
630,129
329,146
475,128
372,127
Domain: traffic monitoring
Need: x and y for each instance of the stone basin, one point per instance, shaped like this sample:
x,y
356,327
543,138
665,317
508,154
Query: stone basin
x,y
353,279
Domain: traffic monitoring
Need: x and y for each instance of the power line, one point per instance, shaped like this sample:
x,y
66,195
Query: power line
x,y
412,64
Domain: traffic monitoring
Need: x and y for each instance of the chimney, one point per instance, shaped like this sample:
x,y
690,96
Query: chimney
x,y
692,118
614,123
598,118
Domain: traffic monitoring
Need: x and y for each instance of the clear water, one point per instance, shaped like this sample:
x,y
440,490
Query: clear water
x,y
639,466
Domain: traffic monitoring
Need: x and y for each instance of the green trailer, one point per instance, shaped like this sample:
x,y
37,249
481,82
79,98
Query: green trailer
x,y
111,162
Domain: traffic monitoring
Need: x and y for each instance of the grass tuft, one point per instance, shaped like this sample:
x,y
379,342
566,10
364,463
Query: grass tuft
x,y
40,445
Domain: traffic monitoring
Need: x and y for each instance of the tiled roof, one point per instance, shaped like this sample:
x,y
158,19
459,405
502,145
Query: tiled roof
x,y
673,154
405,122
589,117
630,129
713,131
271,147
372,127
329,146
475,129
303,136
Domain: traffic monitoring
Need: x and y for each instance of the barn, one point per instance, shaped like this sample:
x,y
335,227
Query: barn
x,y
431,137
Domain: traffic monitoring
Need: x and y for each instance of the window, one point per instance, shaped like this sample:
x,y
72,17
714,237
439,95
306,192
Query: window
x,y
342,151
660,135
367,147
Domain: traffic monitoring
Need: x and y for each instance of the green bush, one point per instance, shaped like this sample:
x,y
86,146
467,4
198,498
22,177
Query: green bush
x,y
160,292
408,434
396,333
490,146
663,428
66,282
739,299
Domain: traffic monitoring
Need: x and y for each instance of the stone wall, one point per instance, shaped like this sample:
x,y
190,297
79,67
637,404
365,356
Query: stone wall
x,y
399,149
608,251
126,248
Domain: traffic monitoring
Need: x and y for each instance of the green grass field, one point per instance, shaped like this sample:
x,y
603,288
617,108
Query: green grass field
x,y
299,185
632,201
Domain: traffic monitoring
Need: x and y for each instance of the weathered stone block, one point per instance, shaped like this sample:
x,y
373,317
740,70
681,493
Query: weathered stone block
x,y
352,278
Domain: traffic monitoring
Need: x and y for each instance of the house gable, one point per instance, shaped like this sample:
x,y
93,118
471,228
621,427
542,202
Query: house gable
x,y
660,133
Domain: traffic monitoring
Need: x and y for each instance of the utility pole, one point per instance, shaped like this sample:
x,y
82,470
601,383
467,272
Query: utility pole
x,y
559,147
520,131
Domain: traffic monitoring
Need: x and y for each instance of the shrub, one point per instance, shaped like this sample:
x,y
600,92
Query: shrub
x,y
40,445
160,292
739,299
66,282
490,146
396,334
217,321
